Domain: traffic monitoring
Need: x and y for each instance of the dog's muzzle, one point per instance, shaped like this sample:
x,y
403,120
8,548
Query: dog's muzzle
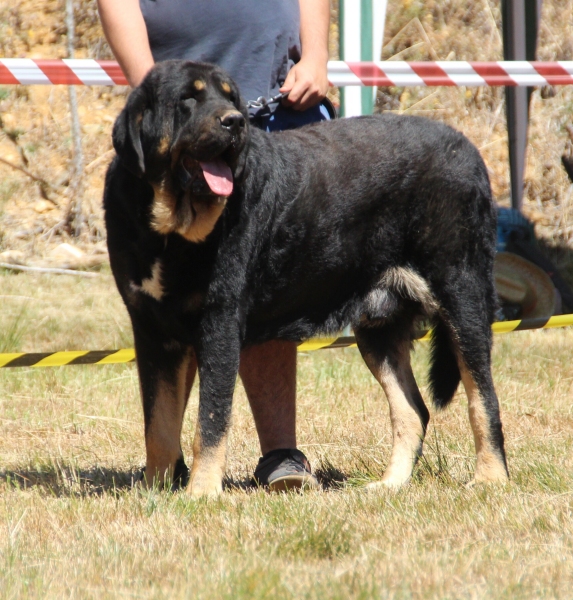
x,y
233,122
214,176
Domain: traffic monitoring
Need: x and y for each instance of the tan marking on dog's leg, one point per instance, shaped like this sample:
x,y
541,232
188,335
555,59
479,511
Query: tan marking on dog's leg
x,y
208,467
490,466
407,429
152,286
163,436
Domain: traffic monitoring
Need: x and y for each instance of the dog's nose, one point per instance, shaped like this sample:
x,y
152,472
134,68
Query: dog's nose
x,y
233,122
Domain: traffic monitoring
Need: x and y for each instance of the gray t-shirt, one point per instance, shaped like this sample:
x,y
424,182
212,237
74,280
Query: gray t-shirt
x,y
255,41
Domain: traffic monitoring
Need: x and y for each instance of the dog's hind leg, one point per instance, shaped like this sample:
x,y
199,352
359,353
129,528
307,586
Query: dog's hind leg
x,y
166,376
483,407
467,314
386,351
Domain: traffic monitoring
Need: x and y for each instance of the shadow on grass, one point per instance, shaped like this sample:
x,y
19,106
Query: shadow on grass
x,y
69,481
329,477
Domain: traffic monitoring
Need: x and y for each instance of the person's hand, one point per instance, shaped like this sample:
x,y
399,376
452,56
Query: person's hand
x,y
307,84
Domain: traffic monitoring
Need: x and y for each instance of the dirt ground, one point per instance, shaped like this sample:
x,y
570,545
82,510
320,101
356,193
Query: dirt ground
x,y
36,146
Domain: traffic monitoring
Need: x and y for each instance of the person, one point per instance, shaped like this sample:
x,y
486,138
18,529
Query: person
x,y
270,47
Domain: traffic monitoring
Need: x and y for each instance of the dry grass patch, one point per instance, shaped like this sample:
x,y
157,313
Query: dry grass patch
x,y
71,444
71,438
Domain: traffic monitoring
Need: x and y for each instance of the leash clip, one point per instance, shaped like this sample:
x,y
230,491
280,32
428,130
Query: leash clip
x,y
261,101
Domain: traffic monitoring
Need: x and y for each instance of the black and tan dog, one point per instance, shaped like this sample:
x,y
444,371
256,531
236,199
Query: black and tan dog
x,y
221,236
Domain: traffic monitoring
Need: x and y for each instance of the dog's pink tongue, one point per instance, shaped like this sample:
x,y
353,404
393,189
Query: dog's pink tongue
x,y
218,177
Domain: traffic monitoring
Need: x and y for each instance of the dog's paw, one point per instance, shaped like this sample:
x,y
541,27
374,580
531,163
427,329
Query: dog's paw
x,y
500,479
205,484
388,483
198,489
492,470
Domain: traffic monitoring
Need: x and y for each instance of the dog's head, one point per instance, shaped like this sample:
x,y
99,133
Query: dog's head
x,y
183,130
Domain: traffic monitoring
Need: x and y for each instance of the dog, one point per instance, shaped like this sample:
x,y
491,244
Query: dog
x,y
221,236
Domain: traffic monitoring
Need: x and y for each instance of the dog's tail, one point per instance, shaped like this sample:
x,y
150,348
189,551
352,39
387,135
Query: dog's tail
x,y
444,376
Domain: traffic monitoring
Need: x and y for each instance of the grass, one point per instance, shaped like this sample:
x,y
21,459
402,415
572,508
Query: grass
x,y
71,444
71,439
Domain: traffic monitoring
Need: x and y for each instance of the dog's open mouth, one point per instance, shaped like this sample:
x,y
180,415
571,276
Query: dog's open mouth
x,y
212,177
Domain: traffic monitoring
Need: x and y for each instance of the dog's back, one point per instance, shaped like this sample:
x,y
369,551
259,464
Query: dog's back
x,y
351,202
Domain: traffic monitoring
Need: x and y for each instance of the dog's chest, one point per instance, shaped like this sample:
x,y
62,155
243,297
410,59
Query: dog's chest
x,y
166,289
171,286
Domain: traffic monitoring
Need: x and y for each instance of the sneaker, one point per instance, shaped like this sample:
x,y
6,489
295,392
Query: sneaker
x,y
284,469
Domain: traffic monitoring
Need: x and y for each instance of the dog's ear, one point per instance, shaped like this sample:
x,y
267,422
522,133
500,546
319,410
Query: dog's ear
x,y
126,132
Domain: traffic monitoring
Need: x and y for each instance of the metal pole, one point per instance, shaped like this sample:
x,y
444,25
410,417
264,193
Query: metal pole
x,y
520,25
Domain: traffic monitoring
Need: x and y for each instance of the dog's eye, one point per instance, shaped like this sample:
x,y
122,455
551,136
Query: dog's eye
x,y
234,98
193,89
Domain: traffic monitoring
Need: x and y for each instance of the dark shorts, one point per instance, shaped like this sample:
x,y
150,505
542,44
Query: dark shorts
x,y
287,118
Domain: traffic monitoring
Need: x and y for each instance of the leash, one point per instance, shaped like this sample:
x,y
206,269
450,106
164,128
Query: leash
x,y
262,102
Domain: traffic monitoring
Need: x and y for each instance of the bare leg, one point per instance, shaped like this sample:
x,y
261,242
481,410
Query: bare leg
x,y
268,372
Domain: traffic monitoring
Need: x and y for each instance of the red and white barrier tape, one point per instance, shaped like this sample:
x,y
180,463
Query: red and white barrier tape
x,y
388,73
453,73
69,71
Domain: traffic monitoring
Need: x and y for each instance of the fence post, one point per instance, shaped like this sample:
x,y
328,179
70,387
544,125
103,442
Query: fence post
x,y
361,27
74,216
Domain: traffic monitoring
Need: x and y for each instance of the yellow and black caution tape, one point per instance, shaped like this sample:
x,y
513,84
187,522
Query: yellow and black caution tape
x,y
425,334
73,357
109,357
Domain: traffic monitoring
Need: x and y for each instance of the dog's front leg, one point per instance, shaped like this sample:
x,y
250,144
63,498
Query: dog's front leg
x,y
166,373
218,360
